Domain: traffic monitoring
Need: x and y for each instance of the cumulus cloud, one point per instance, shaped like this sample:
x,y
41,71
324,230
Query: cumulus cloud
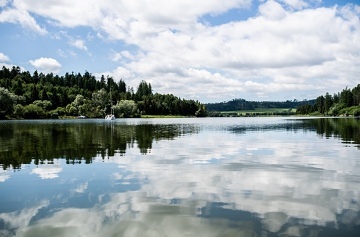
x,y
46,65
118,73
70,13
297,48
3,3
292,41
296,4
5,61
20,16
4,58
80,44
272,10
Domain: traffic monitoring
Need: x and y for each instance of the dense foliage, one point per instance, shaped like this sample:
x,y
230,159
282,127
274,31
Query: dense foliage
x,y
38,95
241,104
345,103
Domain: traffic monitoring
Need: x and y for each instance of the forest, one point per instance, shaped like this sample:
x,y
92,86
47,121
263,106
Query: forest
x,y
241,104
344,103
39,95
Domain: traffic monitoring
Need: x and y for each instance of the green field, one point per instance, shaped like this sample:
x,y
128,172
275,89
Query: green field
x,y
260,111
163,116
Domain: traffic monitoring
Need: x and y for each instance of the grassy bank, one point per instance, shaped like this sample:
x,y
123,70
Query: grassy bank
x,y
255,112
163,116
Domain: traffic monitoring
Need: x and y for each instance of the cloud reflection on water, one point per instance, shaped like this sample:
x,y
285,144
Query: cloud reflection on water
x,y
4,175
48,171
217,184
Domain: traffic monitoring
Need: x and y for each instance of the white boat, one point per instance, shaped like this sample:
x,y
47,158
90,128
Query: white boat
x,y
110,116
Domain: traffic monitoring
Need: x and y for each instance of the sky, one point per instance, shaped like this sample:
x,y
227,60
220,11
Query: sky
x,y
206,50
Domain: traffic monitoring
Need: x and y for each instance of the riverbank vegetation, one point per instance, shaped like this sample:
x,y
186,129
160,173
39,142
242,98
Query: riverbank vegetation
x,y
344,103
39,95
254,112
241,108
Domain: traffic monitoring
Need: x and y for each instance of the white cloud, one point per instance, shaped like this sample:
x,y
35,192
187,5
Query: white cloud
x,y
292,41
21,219
116,56
4,58
80,44
272,10
4,176
288,43
48,171
117,217
121,13
119,73
46,65
296,4
3,3
22,17
81,187
61,53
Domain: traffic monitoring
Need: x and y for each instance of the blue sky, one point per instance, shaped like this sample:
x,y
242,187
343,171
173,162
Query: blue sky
x,y
208,50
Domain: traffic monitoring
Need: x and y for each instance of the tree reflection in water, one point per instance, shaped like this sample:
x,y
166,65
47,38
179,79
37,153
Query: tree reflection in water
x,y
222,177
23,142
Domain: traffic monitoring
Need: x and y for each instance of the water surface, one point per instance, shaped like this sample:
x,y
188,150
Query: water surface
x,y
180,177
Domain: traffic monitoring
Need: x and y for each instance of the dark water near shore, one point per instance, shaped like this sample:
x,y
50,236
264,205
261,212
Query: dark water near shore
x,y
180,177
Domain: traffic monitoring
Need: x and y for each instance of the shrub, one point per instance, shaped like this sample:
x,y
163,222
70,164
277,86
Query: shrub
x,y
33,111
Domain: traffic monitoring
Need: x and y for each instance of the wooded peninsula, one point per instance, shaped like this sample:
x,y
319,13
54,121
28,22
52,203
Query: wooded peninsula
x,y
31,96
344,103
39,95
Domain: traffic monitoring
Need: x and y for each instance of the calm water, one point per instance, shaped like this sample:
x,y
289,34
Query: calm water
x,y
180,177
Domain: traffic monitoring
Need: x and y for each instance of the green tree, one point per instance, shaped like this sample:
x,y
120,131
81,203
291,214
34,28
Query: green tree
x,y
346,97
80,106
305,109
19,111
99,100
17,85
122,86
7,102
320,104
44,104
144,89
126,108
356,95
328,102
33,111
201,112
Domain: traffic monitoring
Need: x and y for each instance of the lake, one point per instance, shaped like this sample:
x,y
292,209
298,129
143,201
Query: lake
x,y
180,177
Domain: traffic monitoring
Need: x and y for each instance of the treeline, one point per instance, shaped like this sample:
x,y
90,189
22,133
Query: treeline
x,y
241,104
344,103
39,95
